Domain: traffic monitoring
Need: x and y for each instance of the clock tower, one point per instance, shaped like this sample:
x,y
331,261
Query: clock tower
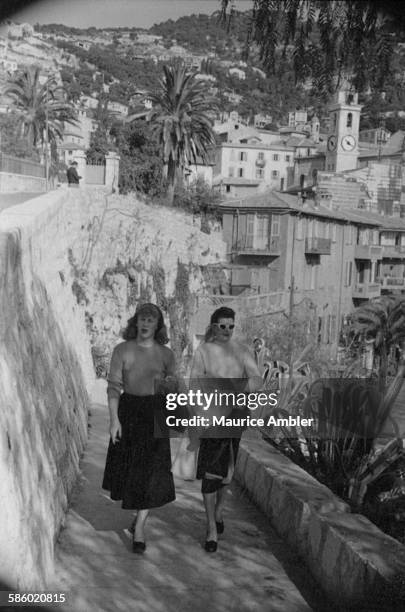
x,y
343,141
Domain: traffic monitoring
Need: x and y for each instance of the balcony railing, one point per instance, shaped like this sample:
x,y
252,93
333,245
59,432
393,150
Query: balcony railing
x,y
366,291
317,246
392,281
17,165
394,251
269,249
368,251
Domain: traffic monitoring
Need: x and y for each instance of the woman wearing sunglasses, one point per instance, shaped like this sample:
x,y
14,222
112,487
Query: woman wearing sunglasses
x,y
228,366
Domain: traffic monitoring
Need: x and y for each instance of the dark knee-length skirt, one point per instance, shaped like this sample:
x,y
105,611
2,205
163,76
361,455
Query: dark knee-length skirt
x,y
138,467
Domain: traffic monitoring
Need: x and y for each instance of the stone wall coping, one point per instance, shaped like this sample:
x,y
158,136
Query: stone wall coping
x,y
42,206
350,557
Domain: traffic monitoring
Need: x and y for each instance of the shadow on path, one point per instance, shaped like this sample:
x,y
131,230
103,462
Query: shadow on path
x,y
253,570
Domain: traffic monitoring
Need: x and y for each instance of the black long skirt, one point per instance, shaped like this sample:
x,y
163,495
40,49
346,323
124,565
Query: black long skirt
x,y
138,467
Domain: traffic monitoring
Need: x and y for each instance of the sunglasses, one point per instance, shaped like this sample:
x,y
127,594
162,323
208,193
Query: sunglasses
x,y
223,326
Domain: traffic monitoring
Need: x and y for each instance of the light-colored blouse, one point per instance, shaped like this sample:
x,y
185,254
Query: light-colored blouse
x,y
136,369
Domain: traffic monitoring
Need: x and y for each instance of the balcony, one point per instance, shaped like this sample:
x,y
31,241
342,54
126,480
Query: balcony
x,y
366,291
317,246
368,251
394,251
271,249
392,282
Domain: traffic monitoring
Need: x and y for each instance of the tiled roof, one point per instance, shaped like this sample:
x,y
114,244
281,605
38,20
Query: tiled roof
x,y
278,200
276,146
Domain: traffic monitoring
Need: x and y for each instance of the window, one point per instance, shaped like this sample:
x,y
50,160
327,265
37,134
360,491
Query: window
x,y
250,230
287,158
275,225
259,173
274,174
320,325
228,189
349,235
349,122
334,226
333,328
348,273
243,156
231,171
276,157
261,237
240,172
328,330
260,155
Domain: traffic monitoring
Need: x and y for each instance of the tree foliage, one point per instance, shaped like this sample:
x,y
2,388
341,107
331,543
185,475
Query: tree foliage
x,y
180,120
12,141
327,40
39,106
383,321
141,165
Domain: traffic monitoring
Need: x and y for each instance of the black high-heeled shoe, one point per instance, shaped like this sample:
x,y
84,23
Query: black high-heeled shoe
x,y
211,546
138,547
220,527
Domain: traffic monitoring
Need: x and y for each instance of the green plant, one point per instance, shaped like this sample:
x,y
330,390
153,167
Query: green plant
x,y
381,321
180,123
348,417
39,106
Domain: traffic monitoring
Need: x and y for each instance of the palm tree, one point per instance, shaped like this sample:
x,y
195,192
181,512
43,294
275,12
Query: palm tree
x,y
39,106
381,320
180,122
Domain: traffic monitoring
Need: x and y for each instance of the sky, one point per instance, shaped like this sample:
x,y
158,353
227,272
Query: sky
x,y
115,13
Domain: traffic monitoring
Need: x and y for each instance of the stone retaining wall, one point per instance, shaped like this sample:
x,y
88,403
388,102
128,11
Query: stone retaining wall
x,y
11,183
354,562
47,246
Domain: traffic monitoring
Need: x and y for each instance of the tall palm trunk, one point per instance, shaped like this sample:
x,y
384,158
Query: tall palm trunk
x,y
170,174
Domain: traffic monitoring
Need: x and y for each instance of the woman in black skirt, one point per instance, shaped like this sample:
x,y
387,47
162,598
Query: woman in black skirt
x,y
138,465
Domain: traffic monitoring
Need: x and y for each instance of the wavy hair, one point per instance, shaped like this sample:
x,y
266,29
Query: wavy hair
x,y
131,330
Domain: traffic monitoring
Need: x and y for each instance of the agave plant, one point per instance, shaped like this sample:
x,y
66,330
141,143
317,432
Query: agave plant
x,y
349,417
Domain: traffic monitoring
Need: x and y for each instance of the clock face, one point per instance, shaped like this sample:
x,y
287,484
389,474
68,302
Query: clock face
x,y
332,143
348,142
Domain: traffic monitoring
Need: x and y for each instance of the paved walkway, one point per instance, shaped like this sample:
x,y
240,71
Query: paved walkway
x,y
251,571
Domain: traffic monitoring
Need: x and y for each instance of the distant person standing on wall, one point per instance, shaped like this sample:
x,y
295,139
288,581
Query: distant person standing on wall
x,y
72,175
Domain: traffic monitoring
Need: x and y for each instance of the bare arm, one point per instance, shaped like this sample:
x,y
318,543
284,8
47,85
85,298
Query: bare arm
x,y
114,390
197,367
168,383
255,381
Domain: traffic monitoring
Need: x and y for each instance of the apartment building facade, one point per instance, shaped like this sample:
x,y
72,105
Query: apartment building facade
x,y
264,164
334,259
